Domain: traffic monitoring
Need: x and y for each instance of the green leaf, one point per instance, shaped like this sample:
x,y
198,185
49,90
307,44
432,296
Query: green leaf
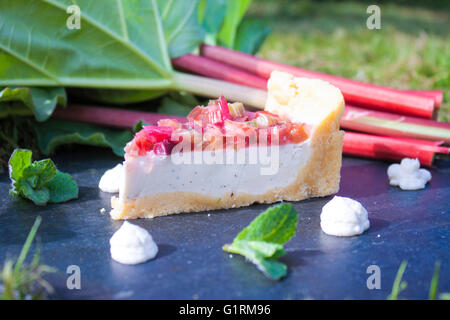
x,y
262,248
262,241
261,254
251,35
14,108
127,48
54,133
211,16
234,13
181,28
139,126
20,159
179,104
266,249
276,225
43,171
40,196
116,96
41,101
40,181
62,188
223,23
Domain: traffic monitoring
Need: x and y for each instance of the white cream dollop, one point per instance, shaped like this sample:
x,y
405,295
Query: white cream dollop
x,y
408,175
132,244
111,179
344,217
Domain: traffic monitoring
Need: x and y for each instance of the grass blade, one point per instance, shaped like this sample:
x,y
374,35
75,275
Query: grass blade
x,y
434,281
398,285
26,246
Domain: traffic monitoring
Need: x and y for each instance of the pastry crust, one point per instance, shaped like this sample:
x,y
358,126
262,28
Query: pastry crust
x,y
319,177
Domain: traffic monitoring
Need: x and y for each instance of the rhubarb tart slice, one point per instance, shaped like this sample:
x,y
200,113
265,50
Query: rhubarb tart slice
x,y
224,156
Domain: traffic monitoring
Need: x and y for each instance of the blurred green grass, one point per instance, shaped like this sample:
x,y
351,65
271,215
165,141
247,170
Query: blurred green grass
x,y
411,50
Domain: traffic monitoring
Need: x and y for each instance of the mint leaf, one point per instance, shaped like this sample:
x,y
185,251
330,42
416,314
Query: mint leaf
x,y
265,249
19,160
139,126
39,181
62,188
261,254
262,241
40,172
40,196
277,224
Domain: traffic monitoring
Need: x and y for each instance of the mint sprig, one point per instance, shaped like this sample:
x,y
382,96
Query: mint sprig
x,y
39,181
262,240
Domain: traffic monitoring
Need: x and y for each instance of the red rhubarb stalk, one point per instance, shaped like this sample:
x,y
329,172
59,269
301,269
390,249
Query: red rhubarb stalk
x,y
357,93
437,95
394,125
388,148
112,117
218,70
213,69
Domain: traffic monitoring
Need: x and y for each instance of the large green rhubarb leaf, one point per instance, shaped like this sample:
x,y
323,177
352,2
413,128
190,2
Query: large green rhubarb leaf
x,y
182,33
54,133
251,35
222,20
40,101
233,15
211,16
120,44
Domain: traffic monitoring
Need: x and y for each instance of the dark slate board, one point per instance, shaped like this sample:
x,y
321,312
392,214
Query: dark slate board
x,y
411,225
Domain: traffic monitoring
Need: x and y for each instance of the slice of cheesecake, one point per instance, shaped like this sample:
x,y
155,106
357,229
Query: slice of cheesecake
x,y
226,157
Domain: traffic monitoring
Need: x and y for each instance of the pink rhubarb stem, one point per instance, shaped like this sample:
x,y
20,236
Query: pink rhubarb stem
x,y
389,124
119,118
357,93
213,69
437,95
217,70
388,148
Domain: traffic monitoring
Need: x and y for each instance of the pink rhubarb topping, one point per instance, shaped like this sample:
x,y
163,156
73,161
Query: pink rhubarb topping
x,y
212,127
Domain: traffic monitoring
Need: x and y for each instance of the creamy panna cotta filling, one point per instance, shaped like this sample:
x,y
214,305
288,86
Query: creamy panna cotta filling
x,y
152,174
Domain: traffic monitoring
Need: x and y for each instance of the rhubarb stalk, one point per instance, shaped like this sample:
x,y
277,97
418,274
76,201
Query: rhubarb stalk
x,y
217,70
394,125
388,148
113,117
437,95
213,88
357,93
